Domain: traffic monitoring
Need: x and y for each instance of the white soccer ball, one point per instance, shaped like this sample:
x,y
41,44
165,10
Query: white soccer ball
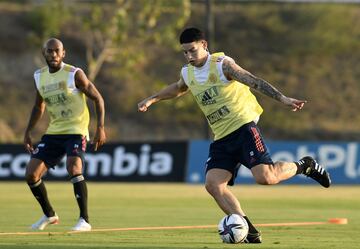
x,y
233,229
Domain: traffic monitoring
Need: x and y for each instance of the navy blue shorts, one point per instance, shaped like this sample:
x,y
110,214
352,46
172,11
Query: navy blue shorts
x,y
52,148
244,146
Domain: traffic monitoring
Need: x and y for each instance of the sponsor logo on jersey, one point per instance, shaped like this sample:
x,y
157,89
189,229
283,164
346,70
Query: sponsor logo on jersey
x,y
57,99
218,115
208,96
53,87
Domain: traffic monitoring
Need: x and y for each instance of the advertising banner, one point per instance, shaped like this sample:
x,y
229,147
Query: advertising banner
x,y
184,161
140,162
341,160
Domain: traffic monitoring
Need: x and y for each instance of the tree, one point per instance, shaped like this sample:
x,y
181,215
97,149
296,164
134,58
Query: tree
x,y
114,35
46,20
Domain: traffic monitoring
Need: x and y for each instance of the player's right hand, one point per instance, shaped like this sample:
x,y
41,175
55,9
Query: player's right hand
x,y
143,105
28,143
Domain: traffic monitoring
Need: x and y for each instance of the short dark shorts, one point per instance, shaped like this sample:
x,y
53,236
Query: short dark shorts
x,y
244,146
52,148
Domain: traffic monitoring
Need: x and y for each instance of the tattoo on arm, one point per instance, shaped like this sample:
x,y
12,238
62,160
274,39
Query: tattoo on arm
x,y
234,72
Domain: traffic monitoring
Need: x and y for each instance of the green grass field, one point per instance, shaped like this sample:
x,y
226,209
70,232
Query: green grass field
x,y
118,205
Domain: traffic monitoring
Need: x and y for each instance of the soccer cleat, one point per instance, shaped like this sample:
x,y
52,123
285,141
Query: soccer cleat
x,y
82,225
253,238
315,171
44,221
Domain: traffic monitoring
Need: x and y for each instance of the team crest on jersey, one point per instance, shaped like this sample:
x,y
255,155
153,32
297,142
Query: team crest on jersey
x,y
212,78
192,83
66,113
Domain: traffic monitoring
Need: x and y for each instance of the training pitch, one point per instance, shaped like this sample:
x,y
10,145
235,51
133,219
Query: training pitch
x,y
139,216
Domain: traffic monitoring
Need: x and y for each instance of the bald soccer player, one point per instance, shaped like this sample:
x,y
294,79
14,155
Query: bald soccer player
x,y
62,89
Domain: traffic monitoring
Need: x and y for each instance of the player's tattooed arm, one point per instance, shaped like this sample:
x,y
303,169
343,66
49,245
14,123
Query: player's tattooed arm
x,y
232,71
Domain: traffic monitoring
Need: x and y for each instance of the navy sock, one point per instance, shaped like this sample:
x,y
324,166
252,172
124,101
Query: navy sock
x,y
81,195
39,191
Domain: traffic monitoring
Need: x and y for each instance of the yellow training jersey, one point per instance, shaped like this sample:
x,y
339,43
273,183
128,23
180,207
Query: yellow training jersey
x,y
65,104
226,105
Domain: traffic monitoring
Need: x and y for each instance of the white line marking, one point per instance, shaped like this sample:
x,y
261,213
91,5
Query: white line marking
x,y
167,228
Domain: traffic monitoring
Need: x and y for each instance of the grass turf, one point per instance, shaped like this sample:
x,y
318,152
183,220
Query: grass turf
x,y
119,205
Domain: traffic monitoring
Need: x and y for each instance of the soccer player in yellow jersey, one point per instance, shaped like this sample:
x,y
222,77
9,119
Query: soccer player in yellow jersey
x,y
222,90
62,89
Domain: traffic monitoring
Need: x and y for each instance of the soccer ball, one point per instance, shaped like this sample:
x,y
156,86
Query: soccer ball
x,y
233,229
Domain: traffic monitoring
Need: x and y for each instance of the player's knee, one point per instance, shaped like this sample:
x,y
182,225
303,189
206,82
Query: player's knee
x,y
213,188
266,179
265,174
74,170
31,177
74,166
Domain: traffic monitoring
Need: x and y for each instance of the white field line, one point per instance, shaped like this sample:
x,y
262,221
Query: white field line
x,y
171,228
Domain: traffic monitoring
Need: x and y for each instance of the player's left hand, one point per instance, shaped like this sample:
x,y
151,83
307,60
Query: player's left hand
x,y
28,143
99,138
295,104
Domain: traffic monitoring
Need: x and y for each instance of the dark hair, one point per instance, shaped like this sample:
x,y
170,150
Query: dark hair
x,y
191,35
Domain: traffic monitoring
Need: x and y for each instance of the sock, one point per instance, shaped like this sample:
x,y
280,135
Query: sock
x,y
252,229
80,191
300,167
39,191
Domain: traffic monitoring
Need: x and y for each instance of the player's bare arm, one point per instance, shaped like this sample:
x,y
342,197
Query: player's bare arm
x,y
234,72
174,90
36,114
89,89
